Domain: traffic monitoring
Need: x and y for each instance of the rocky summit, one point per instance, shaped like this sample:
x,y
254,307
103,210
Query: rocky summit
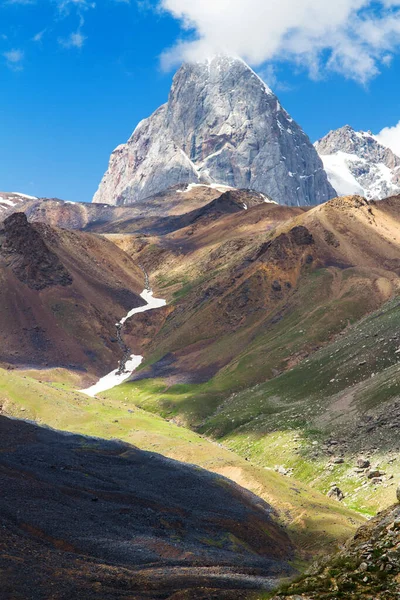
x,y
356,163
221,125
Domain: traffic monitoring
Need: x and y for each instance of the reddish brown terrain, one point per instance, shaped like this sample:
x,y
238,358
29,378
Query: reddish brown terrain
x,y
279,341
232,279
61,294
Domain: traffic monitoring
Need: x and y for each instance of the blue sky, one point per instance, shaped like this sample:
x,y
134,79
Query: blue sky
x,y
76,77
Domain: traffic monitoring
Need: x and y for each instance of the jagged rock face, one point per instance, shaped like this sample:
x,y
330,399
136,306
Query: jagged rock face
x,y
221,125
357,163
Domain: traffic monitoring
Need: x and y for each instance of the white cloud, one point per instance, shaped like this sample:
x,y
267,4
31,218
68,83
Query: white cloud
x,y
352,37
14,59
66,5
74,40
39,36
390,136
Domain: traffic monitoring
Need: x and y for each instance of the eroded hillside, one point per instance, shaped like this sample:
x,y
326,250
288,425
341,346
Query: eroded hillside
x,y
61,293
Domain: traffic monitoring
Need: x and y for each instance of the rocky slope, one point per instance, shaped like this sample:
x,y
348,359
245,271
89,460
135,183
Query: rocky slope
x,y
279,341
25,252
368,567
221,125
241,270
86,518
356,163
61,294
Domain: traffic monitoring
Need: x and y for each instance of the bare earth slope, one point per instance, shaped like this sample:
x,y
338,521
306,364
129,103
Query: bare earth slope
x,y
233,279
177,200
279,340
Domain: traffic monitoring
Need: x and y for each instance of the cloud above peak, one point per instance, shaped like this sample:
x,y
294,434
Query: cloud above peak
x,y
353,37
390,137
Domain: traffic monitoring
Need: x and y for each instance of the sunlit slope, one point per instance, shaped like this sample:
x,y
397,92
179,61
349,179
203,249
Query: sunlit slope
x,y
251,294
283,338
314,522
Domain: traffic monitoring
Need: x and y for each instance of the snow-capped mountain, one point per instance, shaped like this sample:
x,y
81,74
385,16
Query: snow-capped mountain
x,y
12,200
356,163
221,125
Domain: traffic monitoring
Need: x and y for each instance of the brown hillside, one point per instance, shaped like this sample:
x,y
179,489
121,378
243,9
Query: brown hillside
x,y
229,281
61,293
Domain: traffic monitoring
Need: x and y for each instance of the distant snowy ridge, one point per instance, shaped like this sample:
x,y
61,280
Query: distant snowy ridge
x,y
357,163
12,200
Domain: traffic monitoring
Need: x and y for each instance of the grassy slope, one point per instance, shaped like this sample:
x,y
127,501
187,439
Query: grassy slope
x,y
314,522
286,420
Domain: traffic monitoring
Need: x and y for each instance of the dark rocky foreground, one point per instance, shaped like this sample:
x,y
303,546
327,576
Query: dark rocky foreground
x,y
87,518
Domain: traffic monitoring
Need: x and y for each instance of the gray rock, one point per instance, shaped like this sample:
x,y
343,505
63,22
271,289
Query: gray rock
x,y
221,125
357,163
363,463
375,474
336,493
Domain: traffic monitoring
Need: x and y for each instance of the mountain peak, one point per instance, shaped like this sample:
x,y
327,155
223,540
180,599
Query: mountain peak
x,y
357,163
220,65
221,125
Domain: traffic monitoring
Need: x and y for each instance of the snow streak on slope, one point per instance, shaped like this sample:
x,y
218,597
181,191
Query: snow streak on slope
x,y
116,377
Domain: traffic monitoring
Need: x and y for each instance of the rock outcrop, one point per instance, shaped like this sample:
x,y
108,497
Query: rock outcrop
x,y
221,125
368,567
26,253
356,163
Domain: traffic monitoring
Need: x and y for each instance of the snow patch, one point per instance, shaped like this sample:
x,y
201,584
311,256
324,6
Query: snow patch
x,y
339,173
7,201
115,378
268,200
213,186
25,196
